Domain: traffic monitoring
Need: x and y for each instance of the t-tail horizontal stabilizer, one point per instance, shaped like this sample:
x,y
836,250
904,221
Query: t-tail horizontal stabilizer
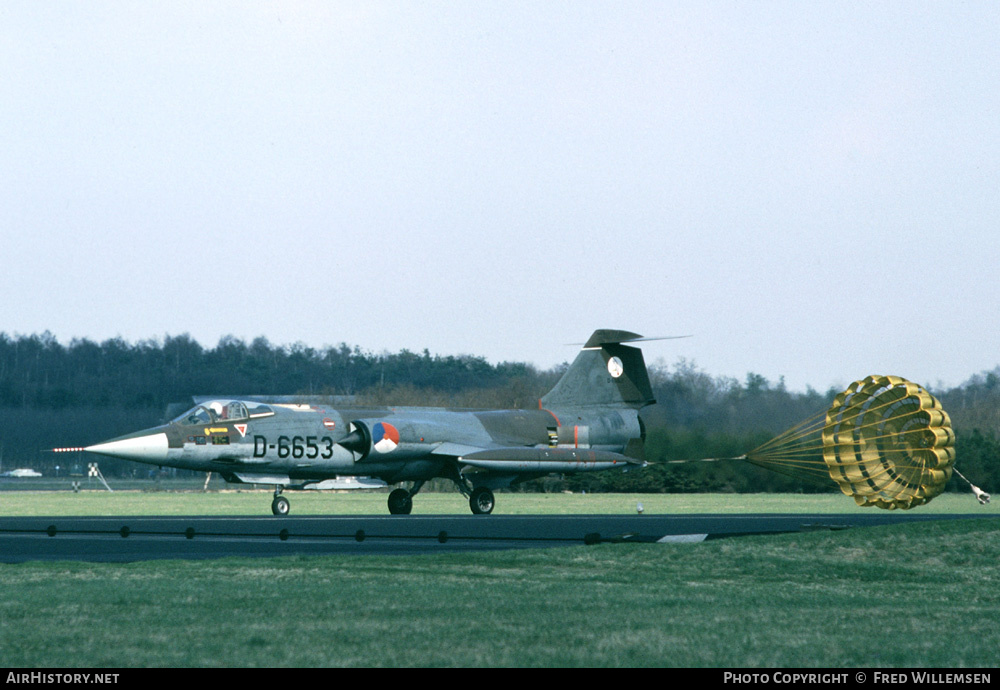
x,y
605,372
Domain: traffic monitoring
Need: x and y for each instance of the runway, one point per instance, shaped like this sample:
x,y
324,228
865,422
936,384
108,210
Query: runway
x,y
126,539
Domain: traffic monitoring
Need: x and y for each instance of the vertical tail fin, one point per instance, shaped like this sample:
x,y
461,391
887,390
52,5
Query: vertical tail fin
x,y
606,372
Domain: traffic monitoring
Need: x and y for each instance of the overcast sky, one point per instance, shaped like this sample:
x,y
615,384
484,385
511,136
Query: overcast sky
x,y
810,190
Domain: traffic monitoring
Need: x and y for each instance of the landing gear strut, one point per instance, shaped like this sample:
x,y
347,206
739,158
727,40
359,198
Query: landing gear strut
x,y
481,499
280,505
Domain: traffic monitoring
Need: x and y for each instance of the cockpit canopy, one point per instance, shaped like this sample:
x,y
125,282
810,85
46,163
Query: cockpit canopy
x,y
222,411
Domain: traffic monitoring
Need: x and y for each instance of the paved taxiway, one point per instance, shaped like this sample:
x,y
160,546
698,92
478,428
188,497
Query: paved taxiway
x,y
122,539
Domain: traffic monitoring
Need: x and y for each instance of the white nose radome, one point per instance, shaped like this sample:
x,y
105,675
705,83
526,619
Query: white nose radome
x,y
150,448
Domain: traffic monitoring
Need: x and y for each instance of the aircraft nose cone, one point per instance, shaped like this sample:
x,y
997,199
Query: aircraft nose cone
x,y
149,446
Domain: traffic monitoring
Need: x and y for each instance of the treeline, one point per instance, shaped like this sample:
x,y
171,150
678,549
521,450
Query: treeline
x,y
55,395
37,371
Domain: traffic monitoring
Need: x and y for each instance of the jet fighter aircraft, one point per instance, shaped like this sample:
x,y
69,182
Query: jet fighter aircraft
x,y
591,420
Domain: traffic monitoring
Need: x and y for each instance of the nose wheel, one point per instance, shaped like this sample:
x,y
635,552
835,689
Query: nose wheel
x,y
280,505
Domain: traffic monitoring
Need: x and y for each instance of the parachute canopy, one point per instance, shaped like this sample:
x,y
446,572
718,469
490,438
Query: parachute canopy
x,y
886,441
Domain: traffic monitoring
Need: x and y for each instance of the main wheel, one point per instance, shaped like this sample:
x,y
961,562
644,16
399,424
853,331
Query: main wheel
x,y
280,505
482,501
400,502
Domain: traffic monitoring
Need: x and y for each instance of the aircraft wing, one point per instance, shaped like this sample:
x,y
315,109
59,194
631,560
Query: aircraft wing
x,y
522,458
555,459
456,450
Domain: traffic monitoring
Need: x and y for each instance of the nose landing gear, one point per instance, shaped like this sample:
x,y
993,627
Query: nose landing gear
x,y
280,505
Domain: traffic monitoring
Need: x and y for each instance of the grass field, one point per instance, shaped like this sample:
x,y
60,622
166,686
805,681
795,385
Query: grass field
x,y
920,595
229,502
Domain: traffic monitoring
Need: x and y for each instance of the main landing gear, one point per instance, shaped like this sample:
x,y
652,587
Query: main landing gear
x,y
400,502
481,500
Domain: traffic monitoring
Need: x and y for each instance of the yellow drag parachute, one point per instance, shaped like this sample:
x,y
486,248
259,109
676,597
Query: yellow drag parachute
x,y
887,442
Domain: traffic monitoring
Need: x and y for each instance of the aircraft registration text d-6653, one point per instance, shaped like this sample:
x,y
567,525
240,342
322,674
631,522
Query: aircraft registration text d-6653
x,y
295,447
